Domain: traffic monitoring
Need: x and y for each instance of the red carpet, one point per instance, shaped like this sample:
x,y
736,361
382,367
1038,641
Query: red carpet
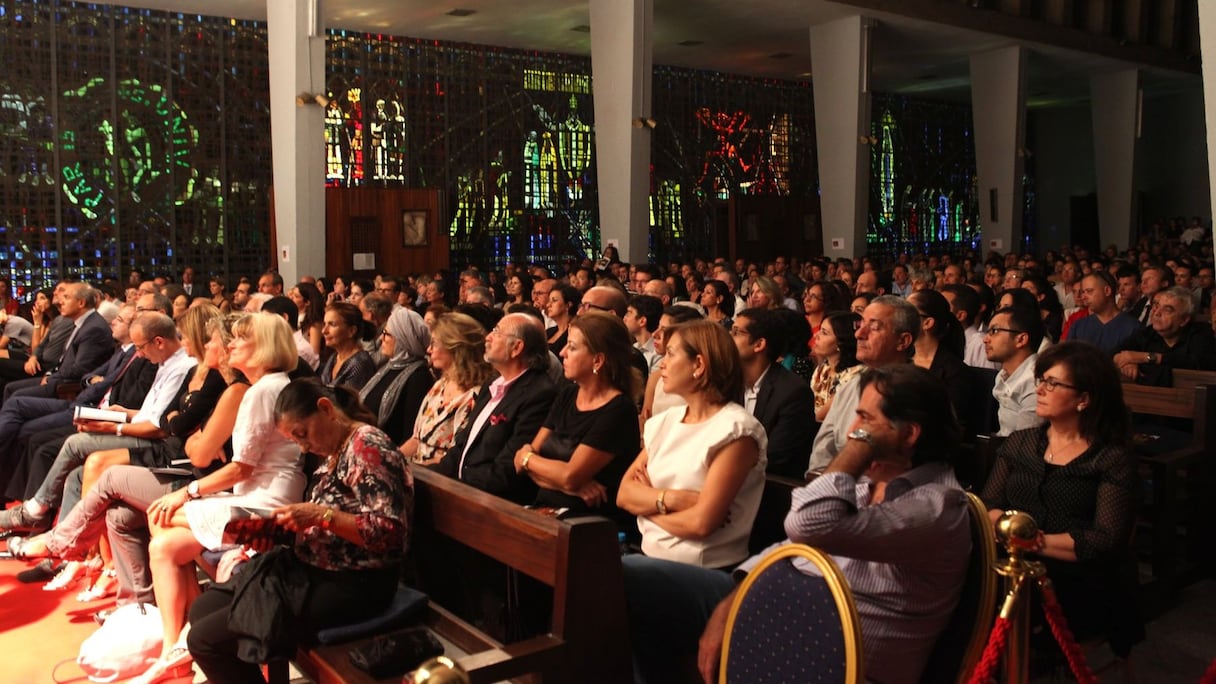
x,y
41,628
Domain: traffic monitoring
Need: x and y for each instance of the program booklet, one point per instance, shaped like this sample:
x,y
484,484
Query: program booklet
x,y
249,524
85,413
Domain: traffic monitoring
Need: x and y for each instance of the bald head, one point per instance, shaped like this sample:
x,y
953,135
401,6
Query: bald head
x,y
604,298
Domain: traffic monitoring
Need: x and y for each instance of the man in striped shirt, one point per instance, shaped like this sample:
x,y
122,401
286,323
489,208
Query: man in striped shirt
x,y
890,512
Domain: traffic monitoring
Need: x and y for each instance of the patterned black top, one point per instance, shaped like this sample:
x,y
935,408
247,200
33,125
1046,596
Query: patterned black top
x,y
1090,498
373,481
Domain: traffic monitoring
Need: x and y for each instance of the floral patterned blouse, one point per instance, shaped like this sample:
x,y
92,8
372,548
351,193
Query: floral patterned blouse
x,y
439,421
372,480
826,381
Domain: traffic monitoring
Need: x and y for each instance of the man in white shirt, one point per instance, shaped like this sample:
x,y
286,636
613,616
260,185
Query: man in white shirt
x,y
642,319
1070,273
155,338
965,305
1012,340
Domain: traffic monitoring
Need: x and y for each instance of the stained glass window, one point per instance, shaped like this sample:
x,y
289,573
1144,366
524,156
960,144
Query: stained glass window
x,y
118,148
922,191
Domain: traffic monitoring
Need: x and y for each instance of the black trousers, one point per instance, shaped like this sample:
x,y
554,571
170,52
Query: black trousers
x,y
334,598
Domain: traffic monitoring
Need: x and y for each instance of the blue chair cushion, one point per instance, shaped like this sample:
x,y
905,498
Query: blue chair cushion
x,y
405,607
787,630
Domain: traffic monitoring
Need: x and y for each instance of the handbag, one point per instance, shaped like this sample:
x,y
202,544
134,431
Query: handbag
x,y
126,645
390,655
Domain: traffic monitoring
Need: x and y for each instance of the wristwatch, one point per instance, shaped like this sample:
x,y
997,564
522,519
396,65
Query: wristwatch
x,y
861,434
327,518
192,490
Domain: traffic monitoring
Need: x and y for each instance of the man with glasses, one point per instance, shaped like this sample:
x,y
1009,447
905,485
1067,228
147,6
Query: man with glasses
x,y
889,326
1174,340
1012,340
154,336
507,414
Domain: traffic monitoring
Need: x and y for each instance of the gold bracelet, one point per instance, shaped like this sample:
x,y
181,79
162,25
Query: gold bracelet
x,y
659,504
327,518
524,465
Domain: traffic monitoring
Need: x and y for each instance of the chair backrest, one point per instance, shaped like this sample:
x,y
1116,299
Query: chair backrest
x,y
961,643
789,626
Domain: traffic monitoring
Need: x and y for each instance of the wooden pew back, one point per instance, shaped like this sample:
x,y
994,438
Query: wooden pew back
x,y
579,558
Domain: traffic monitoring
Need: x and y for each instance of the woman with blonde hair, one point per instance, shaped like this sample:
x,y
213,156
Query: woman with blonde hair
x,y
264,472
765,294
457,352
583,447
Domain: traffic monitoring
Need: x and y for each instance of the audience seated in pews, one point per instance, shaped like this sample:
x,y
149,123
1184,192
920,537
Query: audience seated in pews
x,y
1173,340
835,345
348,364
395,391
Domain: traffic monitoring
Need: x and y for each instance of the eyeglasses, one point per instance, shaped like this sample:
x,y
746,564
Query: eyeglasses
x,y
497,330
589,305
140,347
997,331
1051,384
736,330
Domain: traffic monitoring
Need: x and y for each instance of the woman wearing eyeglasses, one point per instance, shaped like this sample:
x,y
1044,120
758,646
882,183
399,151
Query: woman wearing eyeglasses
x,y
395,391
1076,476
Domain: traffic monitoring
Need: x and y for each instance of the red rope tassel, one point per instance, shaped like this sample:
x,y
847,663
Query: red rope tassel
x,y
992,652
1059,628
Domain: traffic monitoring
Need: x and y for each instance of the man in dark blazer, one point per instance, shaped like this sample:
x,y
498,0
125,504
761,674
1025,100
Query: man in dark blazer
x,y
508,412
88,346
779,399
123,380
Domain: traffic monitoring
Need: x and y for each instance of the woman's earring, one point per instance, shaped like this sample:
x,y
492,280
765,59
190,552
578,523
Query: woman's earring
x,y
696,375
596,370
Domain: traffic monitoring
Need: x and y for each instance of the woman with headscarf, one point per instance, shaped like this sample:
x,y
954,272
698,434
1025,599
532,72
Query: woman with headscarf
x,y
396,390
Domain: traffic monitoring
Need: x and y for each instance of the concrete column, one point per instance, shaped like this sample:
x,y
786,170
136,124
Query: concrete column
x,y
1115,105
621,59
840,79
998,106
1207,39
297,64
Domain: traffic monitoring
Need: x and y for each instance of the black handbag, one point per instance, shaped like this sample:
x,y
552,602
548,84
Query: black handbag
x,y
395,654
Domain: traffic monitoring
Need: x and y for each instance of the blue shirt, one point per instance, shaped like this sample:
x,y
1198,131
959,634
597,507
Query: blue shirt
x,y
1105,336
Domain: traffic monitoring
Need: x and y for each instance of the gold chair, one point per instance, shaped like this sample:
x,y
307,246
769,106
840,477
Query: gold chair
x,y
961,643
789,626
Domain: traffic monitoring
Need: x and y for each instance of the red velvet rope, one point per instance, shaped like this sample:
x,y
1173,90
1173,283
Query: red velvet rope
x,y
1209,677
992,652
1059,628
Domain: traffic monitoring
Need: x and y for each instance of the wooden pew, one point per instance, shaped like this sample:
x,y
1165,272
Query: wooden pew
x,y
1189,379
1180,478
579,558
